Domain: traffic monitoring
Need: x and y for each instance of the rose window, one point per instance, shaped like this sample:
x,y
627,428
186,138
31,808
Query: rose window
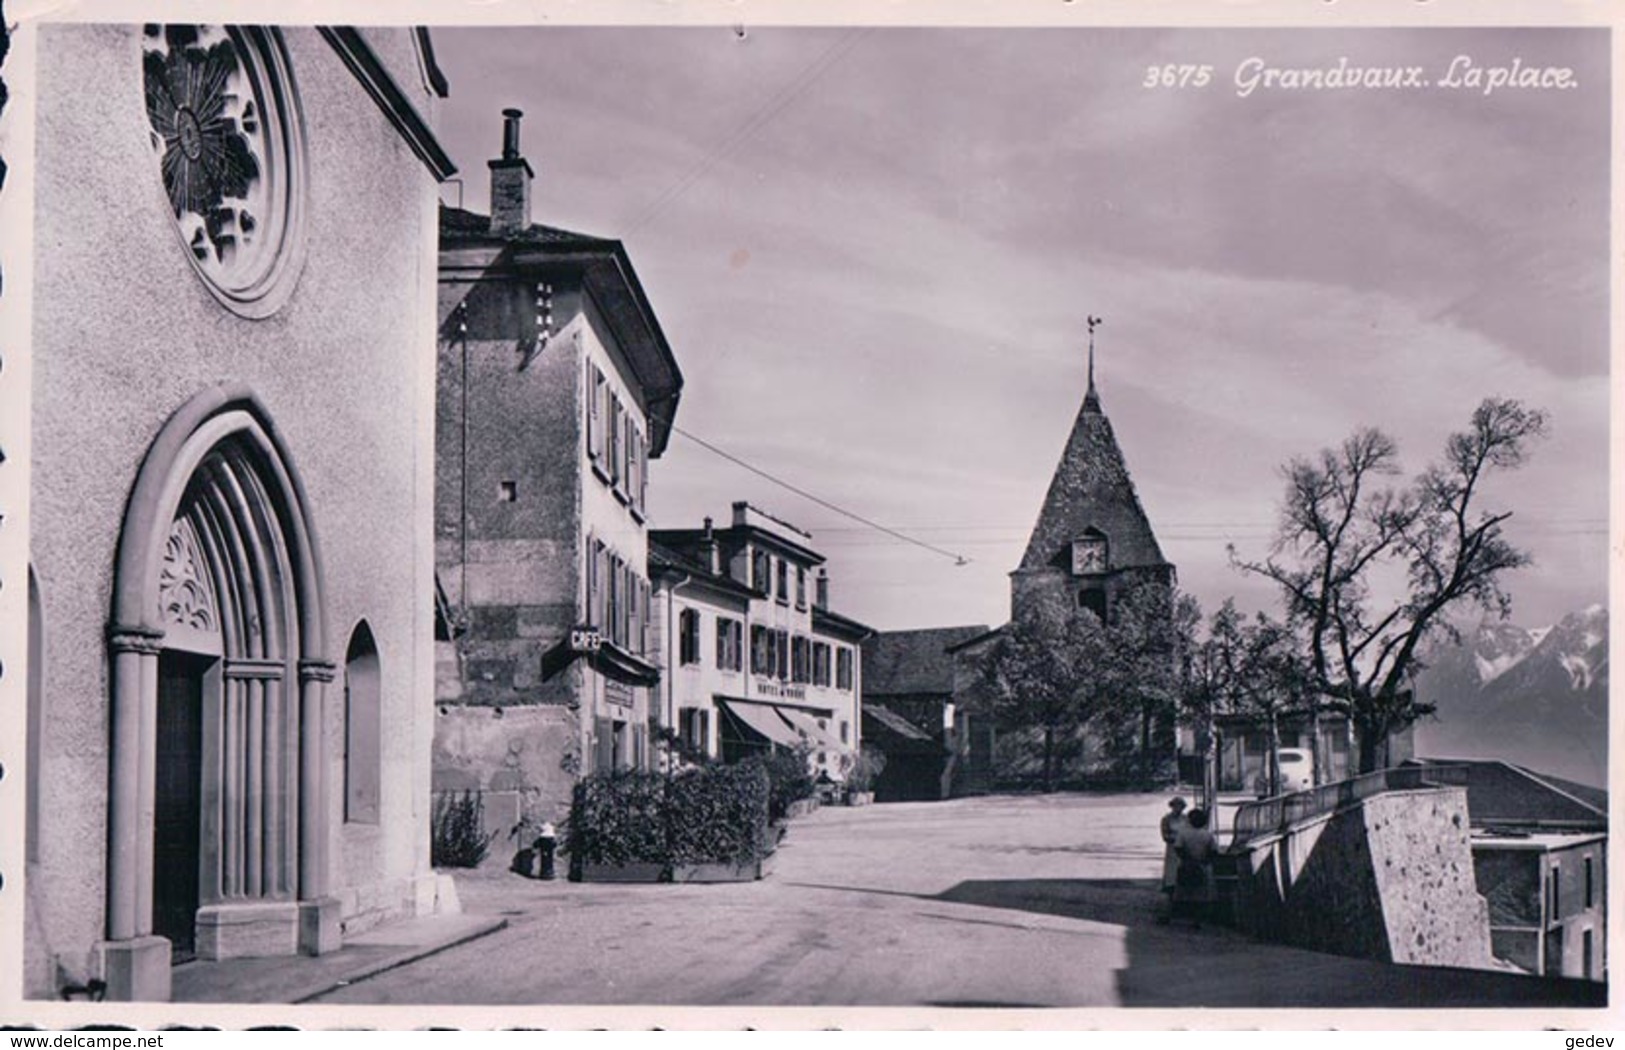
x,y
227,133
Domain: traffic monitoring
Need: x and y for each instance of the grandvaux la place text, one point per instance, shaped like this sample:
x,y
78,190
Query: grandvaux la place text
x,y
1464,73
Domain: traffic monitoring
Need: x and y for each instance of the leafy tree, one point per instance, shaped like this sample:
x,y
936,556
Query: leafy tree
x,y
1039,673
1344,529
1058,670
1255,669
1150,630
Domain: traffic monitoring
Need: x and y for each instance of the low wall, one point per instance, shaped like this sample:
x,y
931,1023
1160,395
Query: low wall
x,y
1387,878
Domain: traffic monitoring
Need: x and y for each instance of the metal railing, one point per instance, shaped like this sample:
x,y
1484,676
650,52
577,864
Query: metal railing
x,y
1277,814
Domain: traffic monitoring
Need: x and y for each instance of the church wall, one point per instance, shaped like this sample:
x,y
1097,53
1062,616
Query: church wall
x,y
125,333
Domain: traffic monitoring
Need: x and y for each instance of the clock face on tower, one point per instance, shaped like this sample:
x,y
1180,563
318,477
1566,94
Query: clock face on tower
x,y
1088,555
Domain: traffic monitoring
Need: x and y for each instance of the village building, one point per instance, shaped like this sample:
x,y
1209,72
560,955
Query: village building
x,y
1091,545
1243,748
556,389
1540,860
230,673
753,656
908,710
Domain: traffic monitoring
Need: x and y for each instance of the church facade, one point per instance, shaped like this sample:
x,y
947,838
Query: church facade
x,y
232,354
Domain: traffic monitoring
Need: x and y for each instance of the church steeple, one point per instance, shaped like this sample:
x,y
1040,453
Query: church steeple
x,y
1092,494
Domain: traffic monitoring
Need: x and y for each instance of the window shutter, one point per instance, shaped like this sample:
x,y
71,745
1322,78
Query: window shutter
x,y
604,760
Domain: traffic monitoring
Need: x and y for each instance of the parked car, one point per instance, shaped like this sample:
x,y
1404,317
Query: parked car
x,y
1297,772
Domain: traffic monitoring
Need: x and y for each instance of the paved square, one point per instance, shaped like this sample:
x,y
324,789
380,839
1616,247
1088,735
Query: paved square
x,y
1000,901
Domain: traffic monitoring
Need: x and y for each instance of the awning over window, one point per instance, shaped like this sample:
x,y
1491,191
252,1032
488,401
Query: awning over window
x,y
763,719
802,722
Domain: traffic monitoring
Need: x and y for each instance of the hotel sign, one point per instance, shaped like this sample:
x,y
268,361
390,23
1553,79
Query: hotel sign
x,y
768,687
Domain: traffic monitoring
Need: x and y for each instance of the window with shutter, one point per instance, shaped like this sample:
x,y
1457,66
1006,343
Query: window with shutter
x,y
688,637
593,397
604,751
758,650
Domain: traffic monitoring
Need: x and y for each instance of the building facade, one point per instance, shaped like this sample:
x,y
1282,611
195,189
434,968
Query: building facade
x,y
909,711
1540,861
556,388
751,647
230,673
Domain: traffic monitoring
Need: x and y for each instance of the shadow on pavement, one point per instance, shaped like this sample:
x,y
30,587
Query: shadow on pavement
x,y
1121,902
1178,966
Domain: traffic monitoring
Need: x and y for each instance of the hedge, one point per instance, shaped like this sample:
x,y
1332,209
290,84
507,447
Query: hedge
x,y
716,814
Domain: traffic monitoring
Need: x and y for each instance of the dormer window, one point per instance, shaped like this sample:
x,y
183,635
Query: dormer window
x,y
1089,554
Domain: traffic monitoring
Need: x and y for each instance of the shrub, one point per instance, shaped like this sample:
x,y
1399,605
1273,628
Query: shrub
x,y
617,818
789,777
457,830
866,769
717,815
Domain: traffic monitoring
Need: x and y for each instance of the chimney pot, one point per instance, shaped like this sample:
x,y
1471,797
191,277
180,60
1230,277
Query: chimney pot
x,y
510,133
510,181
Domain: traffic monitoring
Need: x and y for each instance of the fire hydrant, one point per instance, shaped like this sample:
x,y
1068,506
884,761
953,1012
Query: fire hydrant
x,y
546,843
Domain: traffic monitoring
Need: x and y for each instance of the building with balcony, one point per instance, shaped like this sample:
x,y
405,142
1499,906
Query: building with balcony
x,y
556,389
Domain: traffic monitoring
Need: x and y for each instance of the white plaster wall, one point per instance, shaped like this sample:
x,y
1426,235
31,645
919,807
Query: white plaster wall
x,y
125,333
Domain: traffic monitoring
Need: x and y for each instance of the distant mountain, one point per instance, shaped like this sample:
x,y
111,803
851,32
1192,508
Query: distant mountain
x,y
1535,697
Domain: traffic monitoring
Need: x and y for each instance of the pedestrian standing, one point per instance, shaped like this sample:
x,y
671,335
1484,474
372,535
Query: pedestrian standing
x,y
1172,822
1193,885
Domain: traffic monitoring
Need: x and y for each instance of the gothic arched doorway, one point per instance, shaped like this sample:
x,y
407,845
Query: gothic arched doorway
x,y
217,829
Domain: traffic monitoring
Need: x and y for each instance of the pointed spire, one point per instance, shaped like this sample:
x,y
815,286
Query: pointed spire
x,y
1091,400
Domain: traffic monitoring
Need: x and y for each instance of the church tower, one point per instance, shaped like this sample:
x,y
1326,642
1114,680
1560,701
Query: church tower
x,y
1092,541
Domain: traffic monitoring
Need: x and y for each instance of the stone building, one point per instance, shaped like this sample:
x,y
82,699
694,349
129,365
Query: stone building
x,y
556,388
1540,861
753,655
1091,545
908,709
231,338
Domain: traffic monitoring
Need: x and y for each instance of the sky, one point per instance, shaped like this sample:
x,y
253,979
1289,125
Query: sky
x,y
873,251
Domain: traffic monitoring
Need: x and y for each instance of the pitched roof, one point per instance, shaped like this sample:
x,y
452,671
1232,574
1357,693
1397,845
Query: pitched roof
x,y
673,560
1502,794
608,273
894,734
897,663
1092,489
458,225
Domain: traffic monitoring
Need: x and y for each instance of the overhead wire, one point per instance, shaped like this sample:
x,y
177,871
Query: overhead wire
x,y
958,559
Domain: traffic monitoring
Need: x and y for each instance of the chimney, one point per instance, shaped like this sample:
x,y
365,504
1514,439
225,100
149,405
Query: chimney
x,y
713,554
510,181
821,595
741,513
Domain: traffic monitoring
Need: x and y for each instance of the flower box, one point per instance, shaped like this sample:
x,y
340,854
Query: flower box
x,y
749,871
638,871
859,798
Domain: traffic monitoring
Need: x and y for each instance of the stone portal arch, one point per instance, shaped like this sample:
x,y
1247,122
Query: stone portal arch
x,y
217,645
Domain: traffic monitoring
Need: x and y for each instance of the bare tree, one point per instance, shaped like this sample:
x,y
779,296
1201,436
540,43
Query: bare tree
x,y
1343,525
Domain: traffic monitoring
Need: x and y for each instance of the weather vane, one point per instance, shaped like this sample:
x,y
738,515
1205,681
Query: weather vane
x,y
1093,322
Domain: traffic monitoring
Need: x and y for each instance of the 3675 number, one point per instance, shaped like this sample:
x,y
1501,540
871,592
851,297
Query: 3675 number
x,y
1177,76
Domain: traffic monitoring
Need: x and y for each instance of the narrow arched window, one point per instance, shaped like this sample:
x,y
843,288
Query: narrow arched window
x,y
361,728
